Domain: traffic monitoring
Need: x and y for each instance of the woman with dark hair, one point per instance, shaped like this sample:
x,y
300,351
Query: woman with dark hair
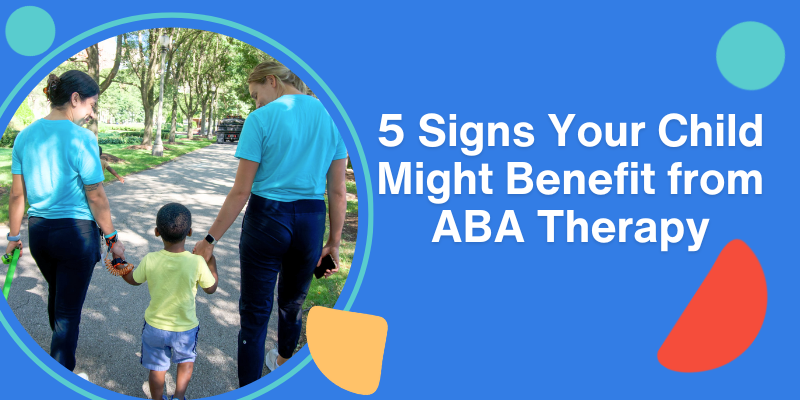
x,y
289,152
56,165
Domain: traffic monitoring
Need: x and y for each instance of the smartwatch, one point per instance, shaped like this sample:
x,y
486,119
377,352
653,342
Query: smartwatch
x,y
210,239
13,238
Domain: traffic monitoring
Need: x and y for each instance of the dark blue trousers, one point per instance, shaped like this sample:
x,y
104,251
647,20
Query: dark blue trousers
x,y
66,251
277,237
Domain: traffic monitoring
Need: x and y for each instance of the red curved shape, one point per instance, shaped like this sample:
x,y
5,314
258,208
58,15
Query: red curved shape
x,y
724,316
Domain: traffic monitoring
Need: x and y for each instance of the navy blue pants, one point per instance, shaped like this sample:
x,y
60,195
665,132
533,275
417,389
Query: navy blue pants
x,y
277,237
66,251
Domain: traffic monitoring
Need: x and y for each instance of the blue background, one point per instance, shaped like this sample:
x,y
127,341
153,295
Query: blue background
x,y
532,319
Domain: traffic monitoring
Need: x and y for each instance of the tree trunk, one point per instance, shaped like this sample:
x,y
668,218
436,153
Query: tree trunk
x,y
188,126
209,128
174,120
93,62
203,119
214,118
148,126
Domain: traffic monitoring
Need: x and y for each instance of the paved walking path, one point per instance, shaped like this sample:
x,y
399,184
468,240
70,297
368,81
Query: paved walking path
x,y
110,339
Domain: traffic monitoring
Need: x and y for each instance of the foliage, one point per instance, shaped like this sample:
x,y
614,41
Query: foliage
x,y
136,130
351,187
202,69
245,58
24,114
8,138
121,102
104,128
119,140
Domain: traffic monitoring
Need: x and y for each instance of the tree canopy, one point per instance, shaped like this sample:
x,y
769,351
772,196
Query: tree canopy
x,y
205,76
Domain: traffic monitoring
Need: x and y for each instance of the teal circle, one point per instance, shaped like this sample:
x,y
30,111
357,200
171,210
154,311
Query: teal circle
x,y
30,31
295,58
750,55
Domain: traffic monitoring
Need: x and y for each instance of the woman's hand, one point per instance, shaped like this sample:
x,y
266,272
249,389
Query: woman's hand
x,y
333,251
118,250
204,249
14,245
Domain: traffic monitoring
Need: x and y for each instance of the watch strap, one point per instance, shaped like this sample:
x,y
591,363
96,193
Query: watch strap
x,y
111,240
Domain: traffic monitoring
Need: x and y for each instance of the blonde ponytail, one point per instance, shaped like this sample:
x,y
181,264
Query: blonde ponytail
x,y
282,75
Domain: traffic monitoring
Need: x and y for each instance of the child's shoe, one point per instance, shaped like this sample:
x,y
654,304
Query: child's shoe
x,y
271,360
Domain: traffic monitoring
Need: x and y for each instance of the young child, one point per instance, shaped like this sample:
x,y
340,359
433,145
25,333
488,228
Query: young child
x,y
105,165
171,325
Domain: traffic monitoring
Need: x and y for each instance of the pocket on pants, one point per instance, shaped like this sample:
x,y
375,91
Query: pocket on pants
x,y
153,337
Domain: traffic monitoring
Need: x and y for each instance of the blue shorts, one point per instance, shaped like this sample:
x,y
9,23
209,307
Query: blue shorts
x,y
159,347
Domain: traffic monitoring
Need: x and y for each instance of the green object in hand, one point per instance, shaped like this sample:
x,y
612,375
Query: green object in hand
x,y
12,260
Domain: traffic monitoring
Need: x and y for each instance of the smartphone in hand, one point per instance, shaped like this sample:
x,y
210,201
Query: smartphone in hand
x,y
327,264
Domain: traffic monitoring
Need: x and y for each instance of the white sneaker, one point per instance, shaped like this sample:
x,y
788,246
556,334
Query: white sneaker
x,y
84,376
271,360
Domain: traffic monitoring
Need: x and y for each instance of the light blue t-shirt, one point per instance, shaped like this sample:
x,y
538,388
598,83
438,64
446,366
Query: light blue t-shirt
x,y
294,140
56,158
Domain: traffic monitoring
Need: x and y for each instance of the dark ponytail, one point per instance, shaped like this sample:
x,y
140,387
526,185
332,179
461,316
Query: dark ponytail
x,y
59,90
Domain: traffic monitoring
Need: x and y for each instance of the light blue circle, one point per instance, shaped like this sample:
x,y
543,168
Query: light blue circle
x,y
200,17
750,55
30,31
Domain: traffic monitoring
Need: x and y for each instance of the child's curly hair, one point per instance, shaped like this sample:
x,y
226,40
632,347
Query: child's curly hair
x,y
173,222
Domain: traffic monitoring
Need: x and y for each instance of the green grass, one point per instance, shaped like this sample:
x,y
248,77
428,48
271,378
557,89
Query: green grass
x,y
5,182
139,160
5,167
324,292
351,187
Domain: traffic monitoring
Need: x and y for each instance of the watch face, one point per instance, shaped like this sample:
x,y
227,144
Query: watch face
x,y
209,239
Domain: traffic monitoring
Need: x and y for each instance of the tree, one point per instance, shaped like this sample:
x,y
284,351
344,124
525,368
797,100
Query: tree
x,y
212,64
202,74
142,55
122,101
93,63
244,59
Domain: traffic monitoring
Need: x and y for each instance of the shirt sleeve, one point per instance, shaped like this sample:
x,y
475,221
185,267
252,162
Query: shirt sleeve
x,y
88,162
140,273
206,279
16,157
250,139
341,151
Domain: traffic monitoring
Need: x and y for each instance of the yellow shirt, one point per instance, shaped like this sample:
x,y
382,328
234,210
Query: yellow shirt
x,y
172,281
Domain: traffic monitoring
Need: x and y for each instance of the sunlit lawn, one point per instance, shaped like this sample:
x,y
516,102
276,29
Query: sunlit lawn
x,y
136,160
5,182
324,292
351,187
139,160
5,167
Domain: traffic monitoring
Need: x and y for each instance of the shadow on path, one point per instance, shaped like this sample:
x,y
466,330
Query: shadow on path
x,y
113,315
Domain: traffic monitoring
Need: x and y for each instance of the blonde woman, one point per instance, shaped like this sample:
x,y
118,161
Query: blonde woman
x,y
288,150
